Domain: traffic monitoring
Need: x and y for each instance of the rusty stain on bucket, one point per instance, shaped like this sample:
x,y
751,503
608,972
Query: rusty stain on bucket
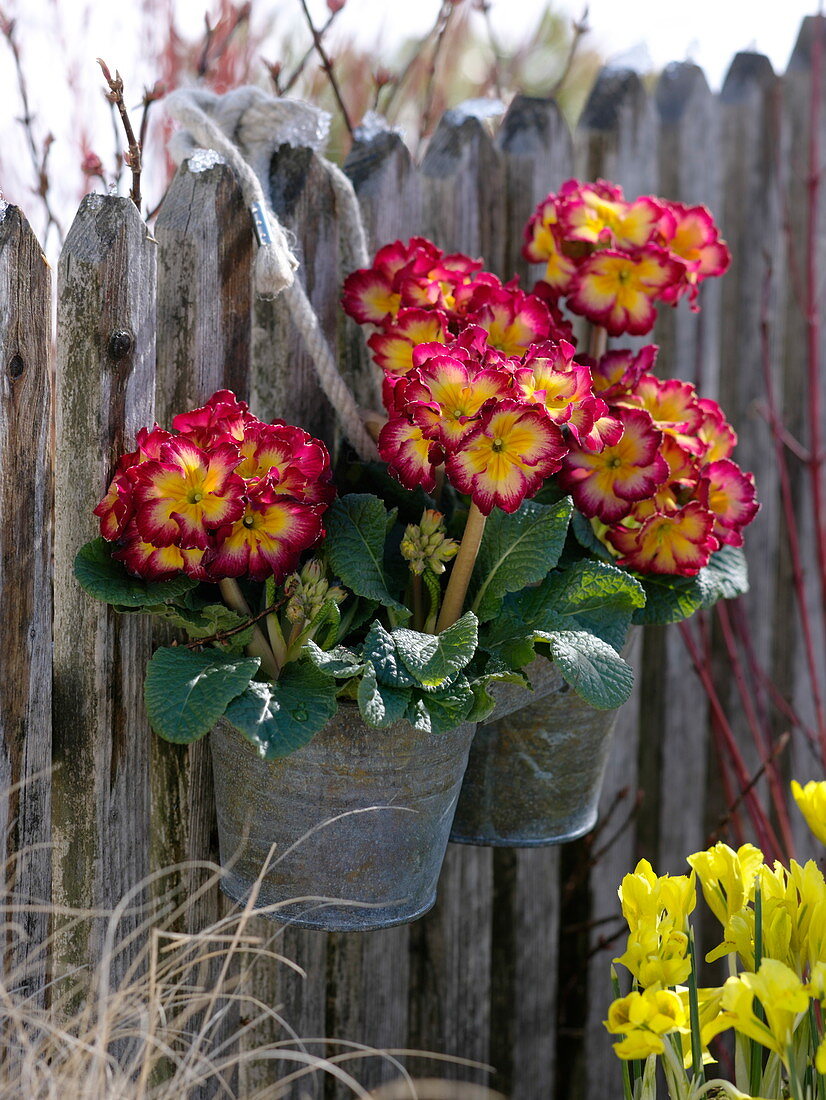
x,y
359,815
535,772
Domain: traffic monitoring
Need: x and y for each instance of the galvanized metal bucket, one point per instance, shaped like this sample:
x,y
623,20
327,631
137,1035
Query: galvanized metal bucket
x,y
534,775
359,818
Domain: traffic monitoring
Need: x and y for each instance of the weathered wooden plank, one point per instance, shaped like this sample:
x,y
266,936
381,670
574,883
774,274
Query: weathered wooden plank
x,y
524,969
26,424
617,135
597,1073
750,138
450,1009
675,720
537,151
105,384
789,654
285,383
205,242
388,187
204,234
368,977
617,141
463,189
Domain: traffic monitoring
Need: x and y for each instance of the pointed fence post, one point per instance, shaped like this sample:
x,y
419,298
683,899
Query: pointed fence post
x,y
26,489
105,384
617,141
803,120
537,151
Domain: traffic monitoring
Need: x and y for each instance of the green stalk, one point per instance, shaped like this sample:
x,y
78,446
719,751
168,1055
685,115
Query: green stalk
x,y
434,591
598,341
233,597
795,1087
626,1078
418,601
697,1071
462,569
276,636
756,1059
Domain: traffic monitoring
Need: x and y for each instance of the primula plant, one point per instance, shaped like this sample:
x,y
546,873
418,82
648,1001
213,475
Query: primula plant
x,y
217,528
584,492
773,924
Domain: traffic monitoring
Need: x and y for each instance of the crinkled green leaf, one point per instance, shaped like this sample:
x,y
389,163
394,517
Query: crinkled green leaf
x,y
586,537
483,702
356,531
381,705
587,595
434,658
449,708
419,716
280,717
380,650
107,580
517,550
340,662
205,621
725,577
592,667
668,599
509,639
187,692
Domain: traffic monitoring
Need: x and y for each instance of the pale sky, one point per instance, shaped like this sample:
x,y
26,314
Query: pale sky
x,y
60,40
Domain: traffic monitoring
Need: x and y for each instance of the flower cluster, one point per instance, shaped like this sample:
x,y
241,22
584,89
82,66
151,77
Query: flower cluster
x,y
500,425
774,924
665,494
612,259
223,495
415,294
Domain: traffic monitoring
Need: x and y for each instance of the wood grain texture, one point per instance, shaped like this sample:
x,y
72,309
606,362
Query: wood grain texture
x,y
537,151
284,379
617,139
388,187
26,488
106,285
752,173
789,655
463,189
205,250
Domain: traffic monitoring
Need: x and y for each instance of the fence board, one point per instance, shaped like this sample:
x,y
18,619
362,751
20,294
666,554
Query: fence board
x,y
789,656
104,392
284,379
25,587
388,187
675,718
537,149
616,140
463,190
752,174
537,152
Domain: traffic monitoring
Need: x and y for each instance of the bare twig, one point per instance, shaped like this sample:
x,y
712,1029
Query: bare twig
x,y
484,7
150,96
223,635
580,28
725,820
208,57
39,153
327,65
133,156
302,64
445,18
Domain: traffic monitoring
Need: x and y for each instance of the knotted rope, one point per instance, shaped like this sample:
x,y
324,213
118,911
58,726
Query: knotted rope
x,y
245,126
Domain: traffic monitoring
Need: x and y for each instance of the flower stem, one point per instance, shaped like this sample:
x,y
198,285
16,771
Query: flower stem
x,y
697,1073
418,601
257,647
598,341
460,575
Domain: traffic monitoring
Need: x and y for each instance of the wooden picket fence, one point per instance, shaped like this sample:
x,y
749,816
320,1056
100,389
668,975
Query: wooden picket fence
x,y
511,968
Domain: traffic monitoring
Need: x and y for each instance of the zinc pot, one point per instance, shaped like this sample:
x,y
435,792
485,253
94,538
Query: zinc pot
x,y
359,819
534,774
